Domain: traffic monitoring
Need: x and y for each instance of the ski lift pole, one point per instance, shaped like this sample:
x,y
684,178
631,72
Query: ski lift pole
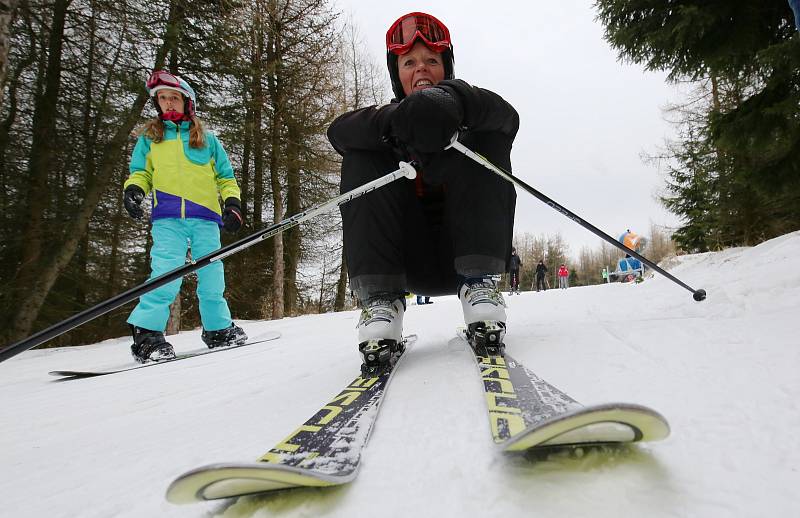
x,y
406,170
698,295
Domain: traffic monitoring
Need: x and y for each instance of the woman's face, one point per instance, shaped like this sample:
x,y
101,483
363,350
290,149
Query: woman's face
x,y
170,101
419,68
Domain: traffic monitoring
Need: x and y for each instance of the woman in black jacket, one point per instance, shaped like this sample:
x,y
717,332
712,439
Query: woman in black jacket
x,y
541,272
449,230
514,264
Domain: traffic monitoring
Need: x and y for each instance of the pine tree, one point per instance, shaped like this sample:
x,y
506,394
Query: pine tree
x,y
738,175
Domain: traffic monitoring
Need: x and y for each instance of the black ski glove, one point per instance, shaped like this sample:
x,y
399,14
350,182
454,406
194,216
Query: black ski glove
x,y
232,216
133,197
426,120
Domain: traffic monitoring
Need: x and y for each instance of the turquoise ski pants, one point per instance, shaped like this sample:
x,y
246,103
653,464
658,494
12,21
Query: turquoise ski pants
x,y
171,239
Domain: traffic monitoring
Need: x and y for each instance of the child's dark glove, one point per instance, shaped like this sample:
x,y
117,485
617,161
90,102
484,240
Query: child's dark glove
x,y
427,120
133,197
232,216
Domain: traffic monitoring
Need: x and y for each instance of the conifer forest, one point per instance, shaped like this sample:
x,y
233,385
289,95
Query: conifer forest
x,y
270,76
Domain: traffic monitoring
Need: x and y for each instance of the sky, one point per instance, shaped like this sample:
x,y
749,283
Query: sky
x,y
723,372
586,119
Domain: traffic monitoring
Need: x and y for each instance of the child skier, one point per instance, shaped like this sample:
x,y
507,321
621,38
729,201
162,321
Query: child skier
x,y
187,170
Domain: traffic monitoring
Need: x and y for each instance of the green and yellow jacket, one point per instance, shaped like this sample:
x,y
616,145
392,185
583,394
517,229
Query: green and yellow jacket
x,y
186,182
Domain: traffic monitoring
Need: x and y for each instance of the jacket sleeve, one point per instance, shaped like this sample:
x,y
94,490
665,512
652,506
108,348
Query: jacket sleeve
x,y
366,129
141,168
226,181
483,110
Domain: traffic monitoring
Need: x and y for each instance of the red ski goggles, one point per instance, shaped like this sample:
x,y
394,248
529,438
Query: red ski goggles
x,y
404,32
163,78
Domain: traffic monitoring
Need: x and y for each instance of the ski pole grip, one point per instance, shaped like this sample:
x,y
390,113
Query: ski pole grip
x,y
408,170
453,140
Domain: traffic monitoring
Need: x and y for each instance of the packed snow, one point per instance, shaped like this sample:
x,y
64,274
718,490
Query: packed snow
x,y
724,372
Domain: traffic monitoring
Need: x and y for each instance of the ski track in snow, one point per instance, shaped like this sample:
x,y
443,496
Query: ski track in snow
x,y
724,372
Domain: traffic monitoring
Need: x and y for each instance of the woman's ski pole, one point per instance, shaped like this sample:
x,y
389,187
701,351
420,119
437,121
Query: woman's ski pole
x,y
698,295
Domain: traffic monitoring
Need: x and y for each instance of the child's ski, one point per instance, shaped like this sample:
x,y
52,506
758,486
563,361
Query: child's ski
x,y
71,374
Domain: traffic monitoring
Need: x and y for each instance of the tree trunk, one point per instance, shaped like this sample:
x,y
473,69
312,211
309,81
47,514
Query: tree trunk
x,y
8,9
12,222
293,236
51,266
174,322
341,286
113,256
246,150
274,82
277,240
258,132
39,169
322,283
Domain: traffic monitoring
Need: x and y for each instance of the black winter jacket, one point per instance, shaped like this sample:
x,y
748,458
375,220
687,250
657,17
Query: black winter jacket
x,y
369,129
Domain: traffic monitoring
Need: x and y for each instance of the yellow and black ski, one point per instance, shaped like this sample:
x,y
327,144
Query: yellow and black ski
x,y
323,451
527,412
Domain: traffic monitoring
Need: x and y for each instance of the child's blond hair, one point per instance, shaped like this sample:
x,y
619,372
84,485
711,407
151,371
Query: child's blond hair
x,y
154,130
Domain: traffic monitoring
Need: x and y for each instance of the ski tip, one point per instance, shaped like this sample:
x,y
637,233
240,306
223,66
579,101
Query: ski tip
x,y
218,481
69,375
610,423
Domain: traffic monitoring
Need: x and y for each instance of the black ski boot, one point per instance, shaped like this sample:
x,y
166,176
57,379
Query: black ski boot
x,y
231,335
150,346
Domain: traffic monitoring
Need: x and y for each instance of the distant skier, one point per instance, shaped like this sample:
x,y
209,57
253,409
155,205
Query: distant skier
x,y
630,268
186,169
541,273
454,209
514,265
563,277
632,240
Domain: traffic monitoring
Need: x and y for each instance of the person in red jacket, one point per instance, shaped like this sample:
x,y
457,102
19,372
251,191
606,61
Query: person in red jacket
x,y
563,277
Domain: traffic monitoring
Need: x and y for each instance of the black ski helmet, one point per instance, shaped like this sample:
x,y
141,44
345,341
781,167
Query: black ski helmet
x,y
404,32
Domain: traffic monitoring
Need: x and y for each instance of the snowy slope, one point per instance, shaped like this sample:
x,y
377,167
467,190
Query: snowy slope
x,y
724,372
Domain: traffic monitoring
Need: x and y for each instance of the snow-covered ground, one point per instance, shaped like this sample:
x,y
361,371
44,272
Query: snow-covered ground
x,y
725,372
